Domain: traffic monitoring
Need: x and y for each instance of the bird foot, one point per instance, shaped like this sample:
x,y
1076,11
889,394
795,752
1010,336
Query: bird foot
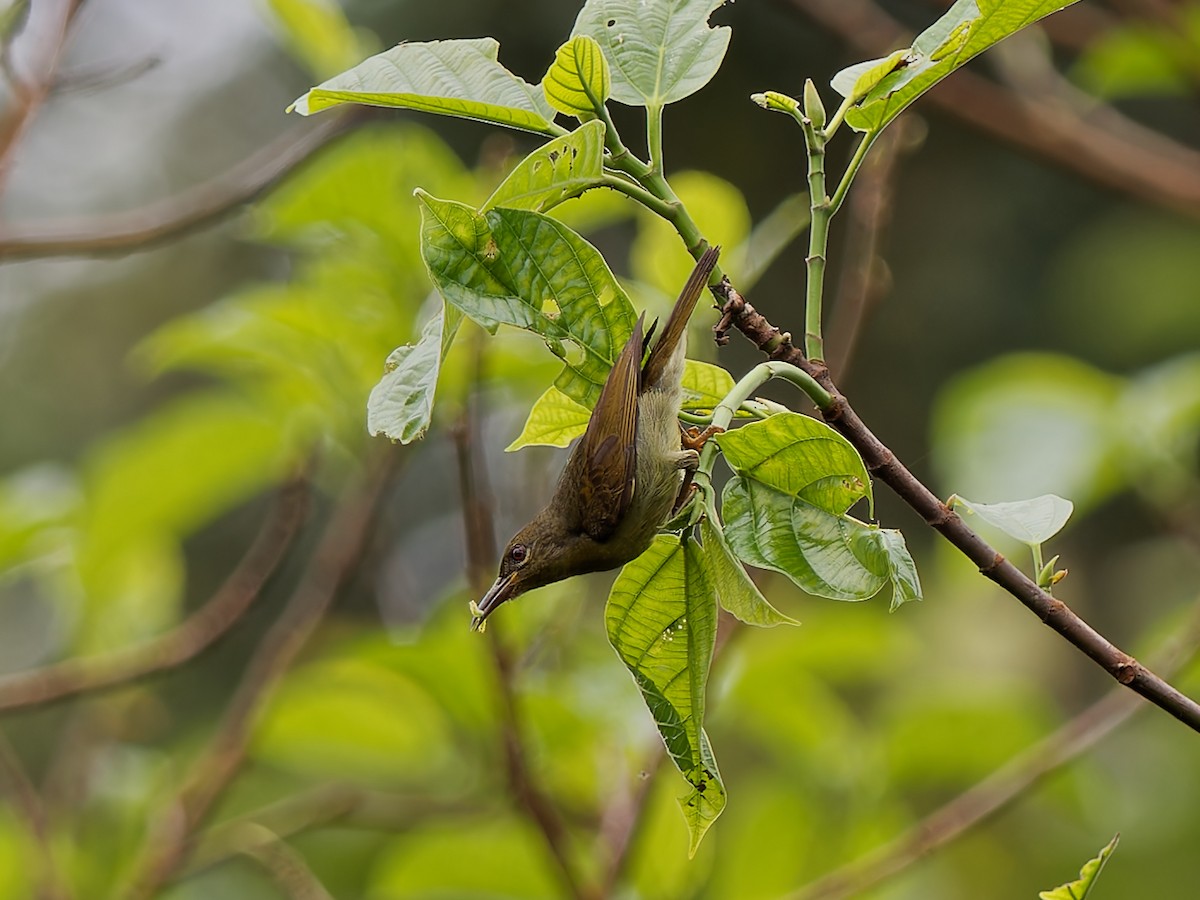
x,y
695,439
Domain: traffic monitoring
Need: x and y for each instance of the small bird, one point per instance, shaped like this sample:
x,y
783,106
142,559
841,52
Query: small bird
x,y
622,479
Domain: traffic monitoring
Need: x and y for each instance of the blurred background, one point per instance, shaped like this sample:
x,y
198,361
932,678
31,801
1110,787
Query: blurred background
x,y
279,695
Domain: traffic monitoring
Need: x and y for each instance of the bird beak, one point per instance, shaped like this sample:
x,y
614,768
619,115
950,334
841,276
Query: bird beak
x,y
499,592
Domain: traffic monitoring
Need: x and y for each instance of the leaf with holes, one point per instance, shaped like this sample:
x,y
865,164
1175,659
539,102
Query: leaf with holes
x,y
401,404
658,53
661,619
557,171
737,593
1081,888
799,456
885,88
578,81
460,78
521,268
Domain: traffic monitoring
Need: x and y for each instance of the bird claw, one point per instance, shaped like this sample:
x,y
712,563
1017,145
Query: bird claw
x,y
695,439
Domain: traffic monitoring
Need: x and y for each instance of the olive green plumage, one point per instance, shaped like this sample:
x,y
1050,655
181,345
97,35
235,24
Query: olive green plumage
x,y
623,476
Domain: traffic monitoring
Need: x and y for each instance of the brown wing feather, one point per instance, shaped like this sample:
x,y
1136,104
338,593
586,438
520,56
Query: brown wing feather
x,y
677,322
607,452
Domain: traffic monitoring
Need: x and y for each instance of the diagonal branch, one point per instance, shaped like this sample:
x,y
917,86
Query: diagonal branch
x,y
186,641
172,216
333,561
883,464
998,790
1105,147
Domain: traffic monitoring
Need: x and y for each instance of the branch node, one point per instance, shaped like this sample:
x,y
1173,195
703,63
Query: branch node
x,y
995,564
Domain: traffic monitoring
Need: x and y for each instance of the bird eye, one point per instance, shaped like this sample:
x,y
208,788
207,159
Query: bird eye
x,y
518,553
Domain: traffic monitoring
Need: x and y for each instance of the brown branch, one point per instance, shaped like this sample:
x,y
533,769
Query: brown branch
x,y
32,92
172,216
998,790
864,278
527,794
1105,147
342,543
186,641
27,803
284,864
884,465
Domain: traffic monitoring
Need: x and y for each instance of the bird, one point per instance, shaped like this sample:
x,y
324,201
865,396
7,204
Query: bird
x,y
623,478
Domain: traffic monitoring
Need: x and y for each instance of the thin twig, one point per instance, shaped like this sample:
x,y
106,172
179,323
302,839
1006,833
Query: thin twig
x,y
27,803
884,465
1002,787
333,561
863,279
1106,147
35,89
194,635
173,216
285,865
529,796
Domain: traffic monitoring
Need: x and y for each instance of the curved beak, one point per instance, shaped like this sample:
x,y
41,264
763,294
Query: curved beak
x,y
498,593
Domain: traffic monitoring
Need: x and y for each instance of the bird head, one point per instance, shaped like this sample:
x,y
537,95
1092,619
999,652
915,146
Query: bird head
x,y
542,552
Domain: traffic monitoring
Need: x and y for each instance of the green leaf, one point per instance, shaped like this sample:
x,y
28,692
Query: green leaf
x,y
557,171
737,593
661,619
906,586
318,34
1081,888
659,53
578,81
554,421
459,78
521,268
704,385
826,555
967,29
799,456
401,405
1032,521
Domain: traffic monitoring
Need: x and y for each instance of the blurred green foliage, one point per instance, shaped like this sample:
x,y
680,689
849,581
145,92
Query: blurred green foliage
x,y
834,737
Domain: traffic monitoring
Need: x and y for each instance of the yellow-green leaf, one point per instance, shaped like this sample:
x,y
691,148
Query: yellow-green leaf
x,y
578,81
554,421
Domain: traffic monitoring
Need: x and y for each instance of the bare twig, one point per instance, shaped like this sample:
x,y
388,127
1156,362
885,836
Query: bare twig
x,y
863,274
341,544
33,91
884,465
286,866
172,216
1105,147
193,636
27,803
1002,787
481,553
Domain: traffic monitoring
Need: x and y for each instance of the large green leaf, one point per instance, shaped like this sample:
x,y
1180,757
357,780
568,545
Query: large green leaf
x,y
1081,888
401,404
557,171
659,52
578,81
799,456
521,268
738,594
662,621
459,78
826,555
884,88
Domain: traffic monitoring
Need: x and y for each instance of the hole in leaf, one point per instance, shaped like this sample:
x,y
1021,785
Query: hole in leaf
x,y
611,22
551,309
554,155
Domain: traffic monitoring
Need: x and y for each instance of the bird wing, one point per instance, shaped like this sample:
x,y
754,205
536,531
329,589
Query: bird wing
x,y
607,454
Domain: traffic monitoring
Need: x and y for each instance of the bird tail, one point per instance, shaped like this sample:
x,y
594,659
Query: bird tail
x,y
675,332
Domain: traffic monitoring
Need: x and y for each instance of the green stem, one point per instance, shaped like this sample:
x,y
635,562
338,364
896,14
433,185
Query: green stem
x,y
750,382
641,195
654,141
860,153
818,239
620,156
836,122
